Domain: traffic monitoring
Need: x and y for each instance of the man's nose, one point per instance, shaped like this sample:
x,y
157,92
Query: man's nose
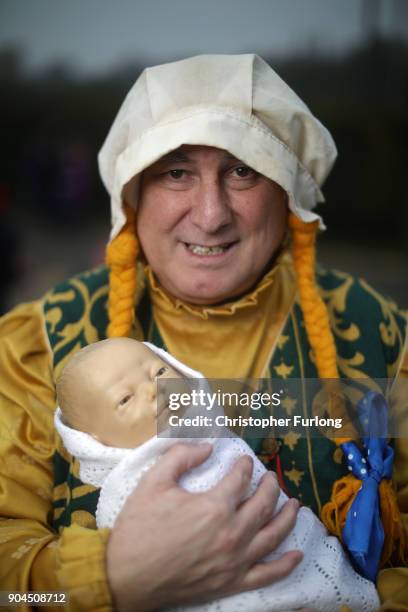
x,y
210,209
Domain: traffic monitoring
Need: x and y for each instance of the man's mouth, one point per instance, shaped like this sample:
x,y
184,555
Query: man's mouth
x,y
200,249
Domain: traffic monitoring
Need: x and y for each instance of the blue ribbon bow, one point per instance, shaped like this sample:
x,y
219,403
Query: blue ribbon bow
x,y
363,533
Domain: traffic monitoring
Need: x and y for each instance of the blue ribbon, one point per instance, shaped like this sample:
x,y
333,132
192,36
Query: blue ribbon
x,y
363,533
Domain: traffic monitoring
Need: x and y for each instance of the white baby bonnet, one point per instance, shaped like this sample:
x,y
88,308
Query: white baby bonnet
x,y
233,102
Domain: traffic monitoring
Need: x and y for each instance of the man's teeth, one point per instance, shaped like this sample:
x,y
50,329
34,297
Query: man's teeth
x,y
203,250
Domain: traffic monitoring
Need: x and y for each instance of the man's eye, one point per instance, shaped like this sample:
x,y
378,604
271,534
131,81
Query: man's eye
x,y
162,371
176,174
125,400
243,171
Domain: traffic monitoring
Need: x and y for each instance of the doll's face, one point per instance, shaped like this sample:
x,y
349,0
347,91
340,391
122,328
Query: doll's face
x,y
116,393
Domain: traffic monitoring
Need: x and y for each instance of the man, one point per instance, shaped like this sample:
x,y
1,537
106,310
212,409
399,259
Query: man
x,y
203,163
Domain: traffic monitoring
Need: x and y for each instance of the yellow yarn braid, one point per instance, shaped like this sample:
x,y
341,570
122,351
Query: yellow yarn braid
x,y
321,339
121,258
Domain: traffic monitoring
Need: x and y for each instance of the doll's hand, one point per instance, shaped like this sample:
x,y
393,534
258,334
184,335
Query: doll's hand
x,y
171,547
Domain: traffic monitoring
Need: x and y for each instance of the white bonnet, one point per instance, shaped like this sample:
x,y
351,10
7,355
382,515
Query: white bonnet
x,y
233,102
185,370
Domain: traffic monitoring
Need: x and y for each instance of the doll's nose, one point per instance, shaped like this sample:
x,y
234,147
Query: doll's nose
x,y
148,390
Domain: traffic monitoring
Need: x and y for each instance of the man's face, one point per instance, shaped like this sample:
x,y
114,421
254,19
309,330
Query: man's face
x,y
208,224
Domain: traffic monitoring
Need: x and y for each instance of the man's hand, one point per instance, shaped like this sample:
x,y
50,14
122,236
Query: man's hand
x,y
171,547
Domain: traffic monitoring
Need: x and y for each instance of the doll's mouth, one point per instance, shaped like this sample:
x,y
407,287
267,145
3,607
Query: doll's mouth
x,y
163,408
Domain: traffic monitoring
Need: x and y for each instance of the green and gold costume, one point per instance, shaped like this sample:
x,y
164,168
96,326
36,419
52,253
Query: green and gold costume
x,y
260,335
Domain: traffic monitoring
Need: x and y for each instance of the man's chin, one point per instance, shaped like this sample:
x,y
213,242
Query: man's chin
x,y
209,295
205,287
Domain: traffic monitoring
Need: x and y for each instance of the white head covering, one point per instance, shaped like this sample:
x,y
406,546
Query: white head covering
x,y
233,102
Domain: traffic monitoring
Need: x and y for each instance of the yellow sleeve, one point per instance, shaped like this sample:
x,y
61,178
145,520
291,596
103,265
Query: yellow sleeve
x,y
33,556
392,583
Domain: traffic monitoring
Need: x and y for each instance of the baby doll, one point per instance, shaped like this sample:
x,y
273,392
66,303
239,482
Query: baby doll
x,y
107,418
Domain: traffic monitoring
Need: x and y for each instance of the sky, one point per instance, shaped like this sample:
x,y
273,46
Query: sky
x,y
96,35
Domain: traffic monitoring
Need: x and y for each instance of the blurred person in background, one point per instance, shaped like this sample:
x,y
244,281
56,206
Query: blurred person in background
x,y
214,167
11,269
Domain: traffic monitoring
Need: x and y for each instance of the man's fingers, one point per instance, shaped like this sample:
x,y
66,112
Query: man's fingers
x,y
270,537
257,511
179,459
234,485
262,574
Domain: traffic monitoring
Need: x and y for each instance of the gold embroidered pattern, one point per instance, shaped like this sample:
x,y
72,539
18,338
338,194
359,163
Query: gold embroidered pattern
x,y
294,475
283,370
291,439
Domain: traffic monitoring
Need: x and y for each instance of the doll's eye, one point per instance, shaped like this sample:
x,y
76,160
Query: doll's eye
x,y
125,400
162,371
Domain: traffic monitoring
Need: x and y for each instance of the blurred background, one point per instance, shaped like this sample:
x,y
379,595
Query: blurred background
x,y
66,66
